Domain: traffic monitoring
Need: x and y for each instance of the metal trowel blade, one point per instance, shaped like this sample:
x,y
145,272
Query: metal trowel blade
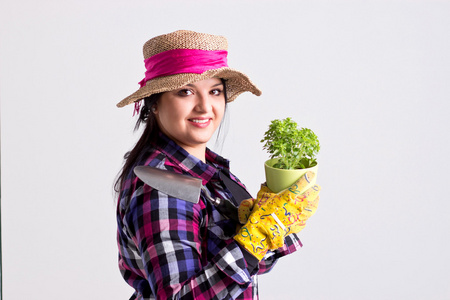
x,y
180,186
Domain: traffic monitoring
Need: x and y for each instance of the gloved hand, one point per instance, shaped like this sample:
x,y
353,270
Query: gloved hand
x,y
270,217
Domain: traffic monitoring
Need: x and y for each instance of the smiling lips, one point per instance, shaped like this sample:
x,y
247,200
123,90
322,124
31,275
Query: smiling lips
x,y
200,122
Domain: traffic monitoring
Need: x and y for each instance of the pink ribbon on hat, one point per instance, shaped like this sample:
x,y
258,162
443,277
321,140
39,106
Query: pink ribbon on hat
x,y
179,61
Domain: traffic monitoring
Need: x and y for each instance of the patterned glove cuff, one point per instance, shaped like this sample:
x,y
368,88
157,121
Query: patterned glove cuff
x,y
253,240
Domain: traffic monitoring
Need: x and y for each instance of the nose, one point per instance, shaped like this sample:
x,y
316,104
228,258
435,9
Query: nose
x,y
203,102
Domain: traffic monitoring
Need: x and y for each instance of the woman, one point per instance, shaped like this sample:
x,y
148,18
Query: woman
x,y
170,248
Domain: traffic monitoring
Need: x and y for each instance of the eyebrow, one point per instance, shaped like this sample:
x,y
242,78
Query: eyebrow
x,y
193,85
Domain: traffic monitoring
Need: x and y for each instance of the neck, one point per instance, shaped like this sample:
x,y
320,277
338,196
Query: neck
x,y
199,152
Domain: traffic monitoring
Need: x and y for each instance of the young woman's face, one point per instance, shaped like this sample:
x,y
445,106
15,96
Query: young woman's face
x,y
191,114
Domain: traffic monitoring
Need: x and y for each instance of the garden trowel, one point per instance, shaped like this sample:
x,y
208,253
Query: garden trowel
x,y
183,187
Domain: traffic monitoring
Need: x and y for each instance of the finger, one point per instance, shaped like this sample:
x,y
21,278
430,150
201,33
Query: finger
x,y
312,206
301,200
309,210
315,202
300,186
312,193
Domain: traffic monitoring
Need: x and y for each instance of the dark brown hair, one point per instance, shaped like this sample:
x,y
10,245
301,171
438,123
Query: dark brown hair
x,y
144,143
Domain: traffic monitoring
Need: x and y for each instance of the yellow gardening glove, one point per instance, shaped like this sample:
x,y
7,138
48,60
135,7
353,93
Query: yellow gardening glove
x,y
298,205
271,217
245,209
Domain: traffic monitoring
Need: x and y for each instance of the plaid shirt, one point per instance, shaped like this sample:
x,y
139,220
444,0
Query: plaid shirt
x,y
173,249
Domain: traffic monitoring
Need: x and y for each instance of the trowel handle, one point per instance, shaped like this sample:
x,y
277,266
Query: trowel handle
x,y
225,207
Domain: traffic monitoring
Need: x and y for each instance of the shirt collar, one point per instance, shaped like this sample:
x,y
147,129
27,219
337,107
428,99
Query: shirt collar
x,y
181,161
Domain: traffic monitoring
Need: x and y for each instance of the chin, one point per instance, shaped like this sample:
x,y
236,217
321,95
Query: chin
x,y
202,139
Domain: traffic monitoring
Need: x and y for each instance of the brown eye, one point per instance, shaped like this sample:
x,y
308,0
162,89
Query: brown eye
x,y
184,92
216,92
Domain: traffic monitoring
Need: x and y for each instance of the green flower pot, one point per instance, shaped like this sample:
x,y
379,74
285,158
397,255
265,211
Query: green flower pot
x,y
280,179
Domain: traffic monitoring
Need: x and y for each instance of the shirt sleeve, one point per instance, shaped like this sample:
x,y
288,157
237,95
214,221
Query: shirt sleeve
x,y
168,235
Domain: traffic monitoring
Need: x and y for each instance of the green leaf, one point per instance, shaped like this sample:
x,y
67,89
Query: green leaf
x,y
294,147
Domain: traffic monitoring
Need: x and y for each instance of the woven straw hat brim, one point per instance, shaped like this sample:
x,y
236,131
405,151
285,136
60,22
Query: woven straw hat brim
x,y
236,83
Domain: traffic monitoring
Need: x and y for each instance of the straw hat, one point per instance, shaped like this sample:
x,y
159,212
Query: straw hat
x,y
182,57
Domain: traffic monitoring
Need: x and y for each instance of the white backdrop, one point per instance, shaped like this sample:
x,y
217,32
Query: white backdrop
x,y
371,78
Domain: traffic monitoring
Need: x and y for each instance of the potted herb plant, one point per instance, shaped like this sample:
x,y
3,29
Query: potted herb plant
x,y
292,152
